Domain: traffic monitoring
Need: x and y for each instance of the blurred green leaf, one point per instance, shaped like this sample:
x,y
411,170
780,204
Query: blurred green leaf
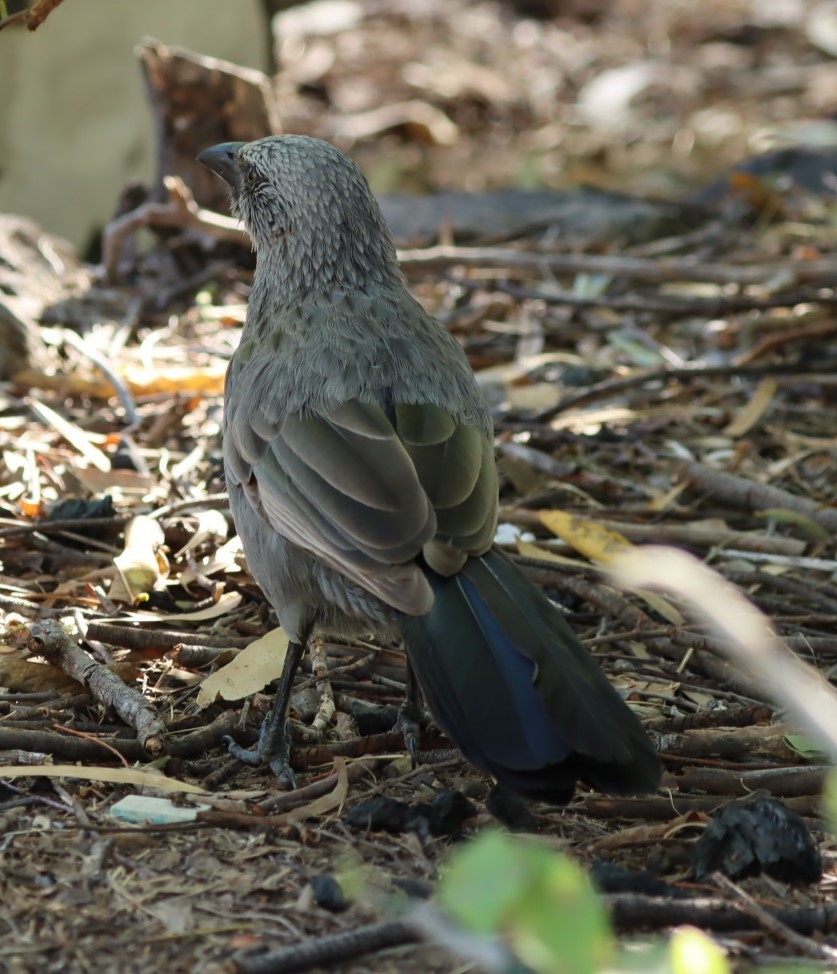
x,y
542,902
591,285
806,748
797,969
829,800
529,175
806,526
635,350
649,957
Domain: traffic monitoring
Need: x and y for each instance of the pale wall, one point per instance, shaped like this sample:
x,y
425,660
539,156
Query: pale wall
x,y
74,123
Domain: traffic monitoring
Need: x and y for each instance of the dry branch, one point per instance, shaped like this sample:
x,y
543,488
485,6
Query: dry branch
x,y
632,910
636,268
327,951
179,212
752,496
49,639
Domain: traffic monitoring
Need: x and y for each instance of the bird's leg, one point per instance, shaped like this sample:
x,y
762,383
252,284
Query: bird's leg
x,y
409,715
274,746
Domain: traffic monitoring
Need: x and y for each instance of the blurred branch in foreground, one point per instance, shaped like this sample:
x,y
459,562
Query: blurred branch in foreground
x,y
746,632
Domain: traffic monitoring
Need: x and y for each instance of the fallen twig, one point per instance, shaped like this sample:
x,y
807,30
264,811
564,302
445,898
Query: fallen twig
x,y
179,212
656,304
638,268
774,924
50,640
615,387
690,535
668,806
632,910
84,749
9,527
753,496
134,637
327,951
790,782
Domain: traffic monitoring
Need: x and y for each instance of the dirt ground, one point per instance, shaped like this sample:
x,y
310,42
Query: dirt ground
x,y
676,387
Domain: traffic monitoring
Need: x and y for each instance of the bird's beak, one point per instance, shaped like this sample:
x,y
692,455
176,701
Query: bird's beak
x,y
223,160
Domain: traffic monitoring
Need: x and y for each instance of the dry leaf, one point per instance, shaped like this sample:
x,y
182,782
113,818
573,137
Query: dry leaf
x,y
251,670
211,526
754,410
331,802
141,566
24,676
225,603
73,434
142,777
587,537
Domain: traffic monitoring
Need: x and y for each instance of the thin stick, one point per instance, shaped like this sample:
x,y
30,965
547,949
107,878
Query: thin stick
x,y
774,925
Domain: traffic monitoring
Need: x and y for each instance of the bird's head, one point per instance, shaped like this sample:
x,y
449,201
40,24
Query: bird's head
x,y
308,203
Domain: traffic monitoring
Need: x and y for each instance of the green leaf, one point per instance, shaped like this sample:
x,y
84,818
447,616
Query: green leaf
x,y
829,799
806,748
797,969
643,957
806,526
484,881
540,901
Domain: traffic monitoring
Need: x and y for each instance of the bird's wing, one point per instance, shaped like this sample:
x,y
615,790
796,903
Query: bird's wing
x,y
366,495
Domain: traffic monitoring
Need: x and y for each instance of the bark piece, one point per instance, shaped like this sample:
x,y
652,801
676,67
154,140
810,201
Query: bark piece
x,y
198,102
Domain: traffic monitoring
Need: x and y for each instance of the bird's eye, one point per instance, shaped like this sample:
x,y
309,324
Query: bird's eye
x,y
252,172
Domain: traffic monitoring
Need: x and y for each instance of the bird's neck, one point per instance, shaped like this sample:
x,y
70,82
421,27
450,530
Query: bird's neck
x,y
288,274
292,296
338,255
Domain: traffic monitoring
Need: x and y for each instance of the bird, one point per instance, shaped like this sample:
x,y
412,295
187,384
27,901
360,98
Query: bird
x,y
359,461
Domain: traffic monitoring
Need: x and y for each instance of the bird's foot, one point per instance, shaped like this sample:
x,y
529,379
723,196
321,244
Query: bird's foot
x,y
273,749
409,723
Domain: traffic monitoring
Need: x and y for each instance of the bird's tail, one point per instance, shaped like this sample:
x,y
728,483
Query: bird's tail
x,y
509,682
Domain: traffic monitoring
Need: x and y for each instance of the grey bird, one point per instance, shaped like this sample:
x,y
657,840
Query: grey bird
x,y
359,459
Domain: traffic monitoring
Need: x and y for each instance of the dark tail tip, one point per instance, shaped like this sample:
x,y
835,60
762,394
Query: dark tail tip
x,y
511,685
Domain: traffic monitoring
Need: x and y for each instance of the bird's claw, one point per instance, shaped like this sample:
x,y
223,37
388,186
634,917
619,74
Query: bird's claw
x,y
409,723
249,755
272,749
284,772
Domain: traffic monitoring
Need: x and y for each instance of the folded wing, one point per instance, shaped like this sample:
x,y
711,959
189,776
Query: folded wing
x,y
367,494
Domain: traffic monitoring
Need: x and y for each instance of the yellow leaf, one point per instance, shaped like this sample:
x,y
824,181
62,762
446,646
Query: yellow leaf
x,y
587,537
604,546
251,670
